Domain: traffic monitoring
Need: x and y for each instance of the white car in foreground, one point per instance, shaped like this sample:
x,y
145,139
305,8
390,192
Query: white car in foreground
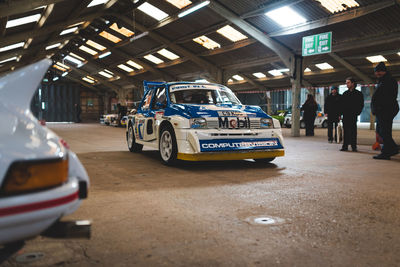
x,y
41,180
195,122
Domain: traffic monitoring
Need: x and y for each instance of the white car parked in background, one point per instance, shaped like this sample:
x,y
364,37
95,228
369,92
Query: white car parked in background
x,y
41,180
320,121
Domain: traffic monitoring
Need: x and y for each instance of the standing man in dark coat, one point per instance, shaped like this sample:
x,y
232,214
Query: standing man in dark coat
x,y
352,103
310,112
384,105
332,110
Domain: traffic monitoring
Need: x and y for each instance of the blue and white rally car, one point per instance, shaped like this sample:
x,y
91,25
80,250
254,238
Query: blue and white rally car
x,y
202,121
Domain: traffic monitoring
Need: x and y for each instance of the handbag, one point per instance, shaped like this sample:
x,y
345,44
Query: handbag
x,y
339,130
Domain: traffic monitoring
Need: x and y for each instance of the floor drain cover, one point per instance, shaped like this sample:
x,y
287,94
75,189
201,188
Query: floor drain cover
x,y
264,220
29,257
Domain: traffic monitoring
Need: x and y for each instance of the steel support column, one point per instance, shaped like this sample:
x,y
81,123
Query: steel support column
x,y
296,70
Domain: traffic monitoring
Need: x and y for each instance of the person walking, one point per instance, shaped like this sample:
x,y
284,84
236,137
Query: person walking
x,y
352,103
332,110
385,107
310,112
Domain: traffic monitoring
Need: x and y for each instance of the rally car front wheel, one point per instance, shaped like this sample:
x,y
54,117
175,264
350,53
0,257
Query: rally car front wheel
x,y
130,138
167,146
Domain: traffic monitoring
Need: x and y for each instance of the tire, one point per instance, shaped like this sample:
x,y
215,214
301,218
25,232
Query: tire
x,y
325,124
267,160
302,124
130,139
167,146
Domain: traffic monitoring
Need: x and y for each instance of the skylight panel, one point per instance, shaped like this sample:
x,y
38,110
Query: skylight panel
x,y
70,30
259,75
230,81
168,54
78,57
338,5
398,53
53,46
105,74
63,65
153,59
193,9
13,46
59,68
153,11
231,33
22,21
106,54
124,31
376,59
73,60
206,42
307,70
275,72
324,66
110,37
97,2
88,80
238,77
96,45
179,3
125,68
87,50
8,59
285,16
134,64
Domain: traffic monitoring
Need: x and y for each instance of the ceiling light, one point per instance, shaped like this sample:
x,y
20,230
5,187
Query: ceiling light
x,y
63,65
324,66
206,42
110,37
59,68
125,68
96,45
8,59
231,33
55,78
66,31
134,64
230,81
105,74
275,72
259,75
238,77
24,20
193,9
87,50
53,46
153,11
179,3
338,5
168,54
64,74
88,80
106,54
398,53
153,59
73,60
13,46
285,16
124,31
97,2
307,70
376,59
109,72
78,57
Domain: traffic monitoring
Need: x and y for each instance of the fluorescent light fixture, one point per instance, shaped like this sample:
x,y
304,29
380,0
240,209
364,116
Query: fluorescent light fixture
x,y
87,50
376,59
285,16
70,30
124,31
153,59
55,78
231,33
238,77
193,9
153,11
97,2
13,46
76,56
134,64
53,46
24,20
8,59
179,3
307,70
59,68
96,45
64,74
62,65
206,42
202,81
106,54
259,75
105,74
324,66
110,37
338,5
88,80
275,72
168,54
125,68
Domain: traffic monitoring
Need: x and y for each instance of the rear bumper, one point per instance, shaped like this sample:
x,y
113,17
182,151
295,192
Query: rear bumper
x,y
27,215
237,155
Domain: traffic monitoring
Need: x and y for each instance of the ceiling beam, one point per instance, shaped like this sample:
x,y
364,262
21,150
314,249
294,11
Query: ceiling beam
x,y
234,46
106,83
3,24
90,87
333,19
351,68
249,63
14,7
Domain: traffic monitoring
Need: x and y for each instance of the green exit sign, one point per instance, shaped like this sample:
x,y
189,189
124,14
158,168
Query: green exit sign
x,y
317,44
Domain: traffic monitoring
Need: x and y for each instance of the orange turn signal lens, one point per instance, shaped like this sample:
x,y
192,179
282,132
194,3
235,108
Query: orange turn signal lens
x,y
35,175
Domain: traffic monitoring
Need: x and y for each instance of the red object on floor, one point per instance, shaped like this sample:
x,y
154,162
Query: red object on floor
x,y
376,146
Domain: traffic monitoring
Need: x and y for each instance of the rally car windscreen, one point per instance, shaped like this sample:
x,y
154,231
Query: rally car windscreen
x,y
202,94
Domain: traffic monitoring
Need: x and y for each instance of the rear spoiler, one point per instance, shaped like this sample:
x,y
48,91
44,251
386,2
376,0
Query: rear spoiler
x,y
147,85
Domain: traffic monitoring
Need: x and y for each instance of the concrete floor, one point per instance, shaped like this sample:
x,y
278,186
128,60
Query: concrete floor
x,y
331,208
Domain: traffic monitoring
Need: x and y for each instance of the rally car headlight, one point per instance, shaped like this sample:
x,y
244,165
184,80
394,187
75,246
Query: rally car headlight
x,y
198,123
27,176
266,123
